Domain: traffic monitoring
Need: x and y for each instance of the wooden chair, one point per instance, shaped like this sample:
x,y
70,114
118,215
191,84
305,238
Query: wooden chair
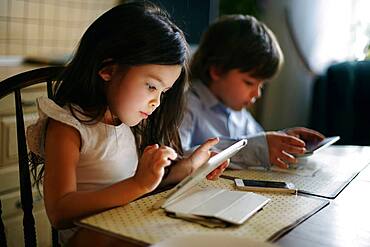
x,y
14,85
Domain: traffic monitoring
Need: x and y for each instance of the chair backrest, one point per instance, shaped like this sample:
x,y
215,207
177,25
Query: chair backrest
x,y
14,85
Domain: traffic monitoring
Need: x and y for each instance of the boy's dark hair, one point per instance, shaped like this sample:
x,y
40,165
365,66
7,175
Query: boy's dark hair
x,y
237,42
130,34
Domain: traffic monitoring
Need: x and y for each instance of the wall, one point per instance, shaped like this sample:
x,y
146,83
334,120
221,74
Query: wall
x,y
46,27
287,99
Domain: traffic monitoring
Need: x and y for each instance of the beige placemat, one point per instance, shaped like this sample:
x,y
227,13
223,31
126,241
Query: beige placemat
x,y
139,223
338,165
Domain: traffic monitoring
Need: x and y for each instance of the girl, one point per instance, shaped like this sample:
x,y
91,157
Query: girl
x,y
130,70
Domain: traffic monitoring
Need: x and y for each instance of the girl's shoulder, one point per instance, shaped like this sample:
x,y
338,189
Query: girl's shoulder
x,y
47,108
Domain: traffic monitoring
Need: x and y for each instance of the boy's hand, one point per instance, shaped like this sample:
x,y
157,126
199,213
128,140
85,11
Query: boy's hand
x,y
307,135
151,166
281,148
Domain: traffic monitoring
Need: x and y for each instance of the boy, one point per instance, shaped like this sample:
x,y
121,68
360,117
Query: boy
x,y
234,58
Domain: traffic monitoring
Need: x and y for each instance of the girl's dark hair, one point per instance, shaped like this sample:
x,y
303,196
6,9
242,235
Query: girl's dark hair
x,y
130,34
237,42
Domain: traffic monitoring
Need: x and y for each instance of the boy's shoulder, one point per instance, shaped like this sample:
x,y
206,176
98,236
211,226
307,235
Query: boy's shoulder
x,y
199,95
194,95
194,102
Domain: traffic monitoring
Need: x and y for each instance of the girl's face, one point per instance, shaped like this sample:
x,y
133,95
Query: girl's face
x,y
235,89
135,93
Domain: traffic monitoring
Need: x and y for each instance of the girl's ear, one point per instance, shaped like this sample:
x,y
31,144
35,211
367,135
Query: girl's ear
x,y
215,72
106,73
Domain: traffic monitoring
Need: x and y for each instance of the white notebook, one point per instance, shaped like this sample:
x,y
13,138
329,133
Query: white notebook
x,y
189,201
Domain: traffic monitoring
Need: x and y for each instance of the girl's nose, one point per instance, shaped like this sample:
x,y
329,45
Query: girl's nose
x,y
155,102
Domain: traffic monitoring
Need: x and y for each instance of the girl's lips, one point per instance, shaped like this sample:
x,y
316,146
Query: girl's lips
x,y
145,115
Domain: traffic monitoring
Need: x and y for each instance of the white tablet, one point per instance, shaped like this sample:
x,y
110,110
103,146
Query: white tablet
x,y
316,147
204,170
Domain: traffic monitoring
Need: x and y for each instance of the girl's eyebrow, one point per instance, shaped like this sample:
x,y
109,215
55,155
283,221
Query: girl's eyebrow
x,y
159,80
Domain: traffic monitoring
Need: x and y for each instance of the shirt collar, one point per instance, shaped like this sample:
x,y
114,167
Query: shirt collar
x,y
206,96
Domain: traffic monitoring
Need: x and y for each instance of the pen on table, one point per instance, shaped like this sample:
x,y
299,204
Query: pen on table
x,y
227,177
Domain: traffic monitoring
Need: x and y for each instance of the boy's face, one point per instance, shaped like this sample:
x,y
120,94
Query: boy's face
x,y
134,94
235,89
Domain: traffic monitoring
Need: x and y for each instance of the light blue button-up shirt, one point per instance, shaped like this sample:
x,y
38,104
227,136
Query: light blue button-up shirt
x,y
206,117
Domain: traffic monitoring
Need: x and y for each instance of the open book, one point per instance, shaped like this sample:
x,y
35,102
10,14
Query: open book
x,y
189,201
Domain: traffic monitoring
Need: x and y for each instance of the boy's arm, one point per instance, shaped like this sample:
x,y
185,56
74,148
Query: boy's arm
x,y
186,130
255,154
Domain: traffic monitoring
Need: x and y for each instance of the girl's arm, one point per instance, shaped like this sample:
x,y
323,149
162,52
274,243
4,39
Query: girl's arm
x,y
64,203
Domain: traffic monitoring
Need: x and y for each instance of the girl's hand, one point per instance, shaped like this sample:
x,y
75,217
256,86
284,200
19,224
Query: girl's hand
x,y
213,175
151,166
282,147
202,154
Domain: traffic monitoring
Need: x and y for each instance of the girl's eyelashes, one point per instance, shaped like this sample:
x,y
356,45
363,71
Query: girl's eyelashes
x,y
151,87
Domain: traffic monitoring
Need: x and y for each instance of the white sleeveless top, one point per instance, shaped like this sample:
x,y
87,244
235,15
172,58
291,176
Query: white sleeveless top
x,y
108,153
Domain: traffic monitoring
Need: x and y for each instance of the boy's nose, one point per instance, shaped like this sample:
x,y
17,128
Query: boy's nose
x,y
258,93
255,94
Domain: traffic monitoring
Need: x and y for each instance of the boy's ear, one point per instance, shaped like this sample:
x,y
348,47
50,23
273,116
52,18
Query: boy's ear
x,y
215,72
106,73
